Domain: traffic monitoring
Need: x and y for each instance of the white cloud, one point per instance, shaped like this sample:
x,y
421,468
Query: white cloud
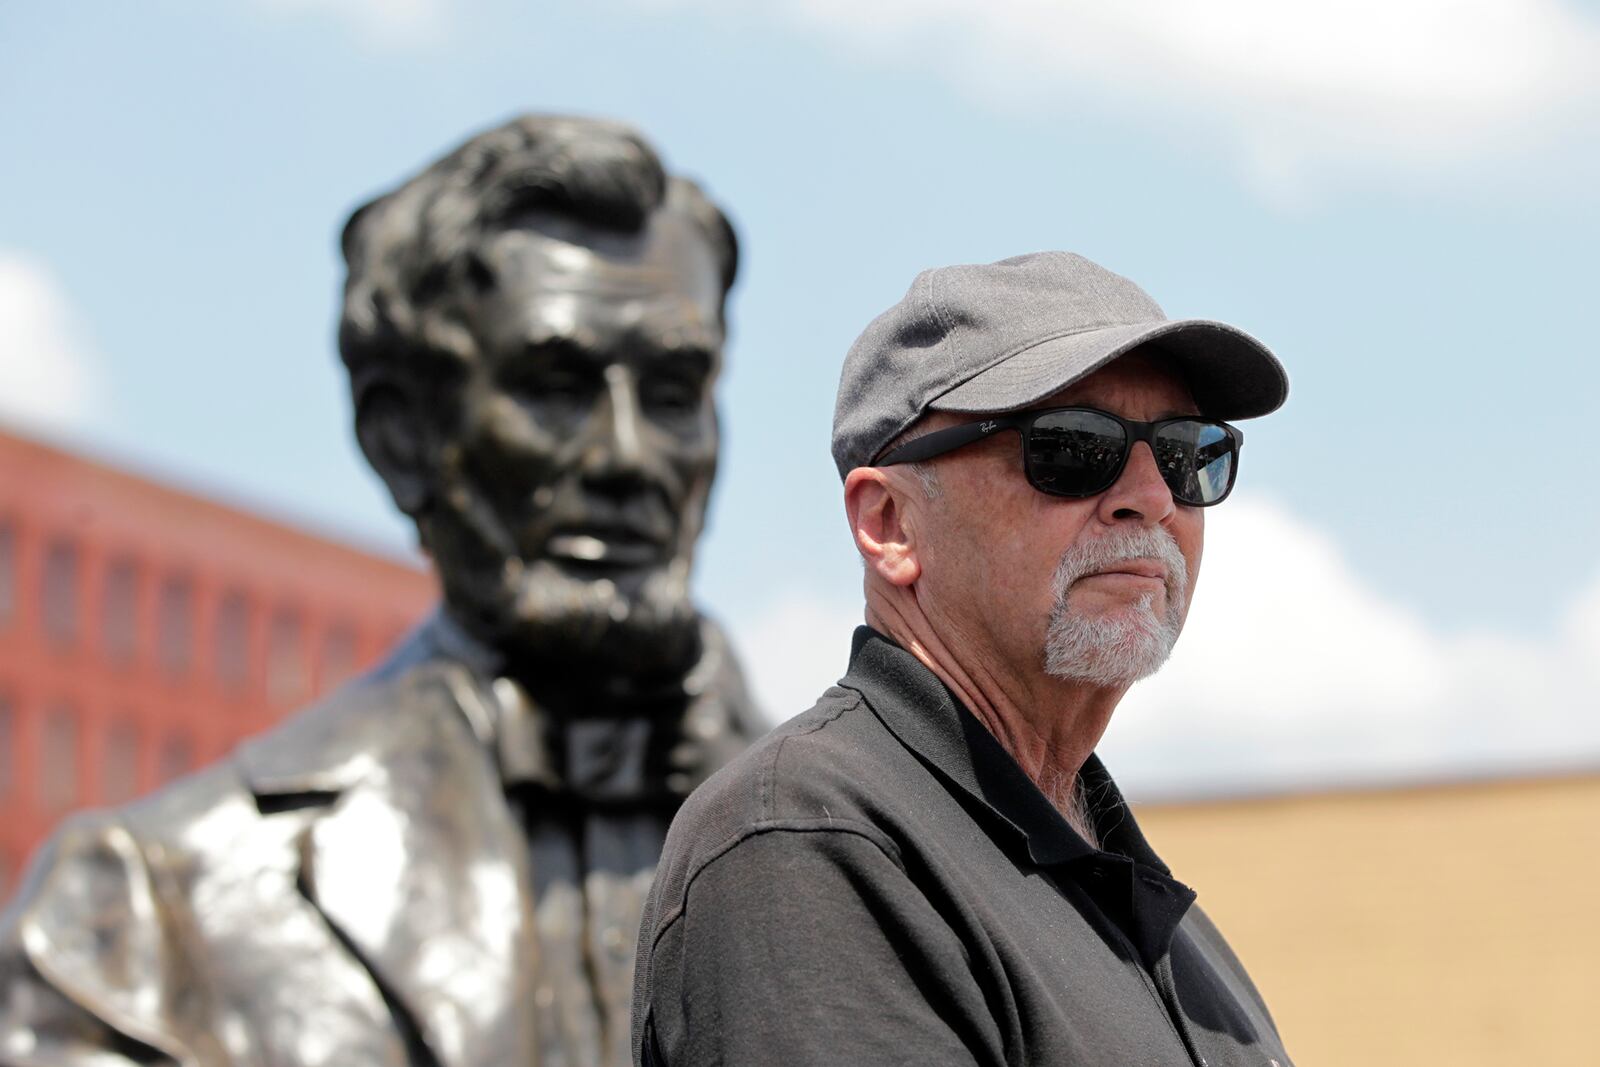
x,y
1296,87
794,648
387,23
49,375
1292,670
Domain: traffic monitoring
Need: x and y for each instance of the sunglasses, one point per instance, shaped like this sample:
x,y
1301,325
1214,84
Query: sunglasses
x,y
1081,451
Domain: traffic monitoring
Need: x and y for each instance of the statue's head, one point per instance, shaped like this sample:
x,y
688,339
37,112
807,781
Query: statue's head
x,y
533,326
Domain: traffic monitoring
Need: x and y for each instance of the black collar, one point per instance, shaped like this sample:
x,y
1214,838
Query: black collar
x,y
1126,879
934,724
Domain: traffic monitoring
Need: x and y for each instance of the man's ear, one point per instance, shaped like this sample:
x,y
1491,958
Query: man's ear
x,y
885,534
393,436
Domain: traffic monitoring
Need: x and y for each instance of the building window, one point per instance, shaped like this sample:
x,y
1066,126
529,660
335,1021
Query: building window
x,y
60,600
119,771
58,762
232,655
338,654
119,611
8,574
8,745
287,677
175,625
175,758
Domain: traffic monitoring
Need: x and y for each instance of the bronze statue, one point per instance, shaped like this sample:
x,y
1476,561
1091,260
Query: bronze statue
x,y
444,862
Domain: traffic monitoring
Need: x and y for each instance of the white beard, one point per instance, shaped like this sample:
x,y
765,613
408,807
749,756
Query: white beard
x,y
1119,649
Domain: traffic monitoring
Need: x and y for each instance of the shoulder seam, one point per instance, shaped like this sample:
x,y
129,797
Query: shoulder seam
x,y
767,791
862,830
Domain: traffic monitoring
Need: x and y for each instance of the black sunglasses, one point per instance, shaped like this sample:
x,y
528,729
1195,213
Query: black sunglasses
x,y
1081,451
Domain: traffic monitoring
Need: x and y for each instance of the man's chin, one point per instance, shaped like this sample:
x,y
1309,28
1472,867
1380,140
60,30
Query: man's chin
x,y
1108,647
1141,614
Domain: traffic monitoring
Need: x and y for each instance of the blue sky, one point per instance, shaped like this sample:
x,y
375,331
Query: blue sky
x,y
1396,196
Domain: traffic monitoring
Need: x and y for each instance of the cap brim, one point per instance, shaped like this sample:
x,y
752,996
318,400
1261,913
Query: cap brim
x,y
1230,373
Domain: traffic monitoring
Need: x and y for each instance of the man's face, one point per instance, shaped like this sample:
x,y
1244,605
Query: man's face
x,y
585,442
1093,588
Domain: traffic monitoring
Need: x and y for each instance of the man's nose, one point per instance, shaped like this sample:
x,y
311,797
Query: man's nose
x,y
614,447
1139,494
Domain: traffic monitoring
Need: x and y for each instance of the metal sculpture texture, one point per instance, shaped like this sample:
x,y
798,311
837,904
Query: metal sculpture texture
x,y
444,862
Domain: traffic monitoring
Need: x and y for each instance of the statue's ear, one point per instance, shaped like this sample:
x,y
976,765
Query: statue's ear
x,y
394,437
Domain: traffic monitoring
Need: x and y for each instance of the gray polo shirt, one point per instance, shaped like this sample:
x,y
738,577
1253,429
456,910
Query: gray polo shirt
x,y
877,882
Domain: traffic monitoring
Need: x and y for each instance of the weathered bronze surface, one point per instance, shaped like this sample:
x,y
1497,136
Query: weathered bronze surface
x,y
444,862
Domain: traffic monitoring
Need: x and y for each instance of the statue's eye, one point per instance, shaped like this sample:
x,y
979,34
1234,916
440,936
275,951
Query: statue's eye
x,y
670,394
564,387
552,374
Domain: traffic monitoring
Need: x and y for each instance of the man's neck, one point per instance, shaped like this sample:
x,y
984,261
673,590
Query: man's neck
x,y
1048,725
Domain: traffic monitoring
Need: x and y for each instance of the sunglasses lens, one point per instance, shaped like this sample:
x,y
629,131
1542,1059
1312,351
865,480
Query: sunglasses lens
x,y
1196,460
1075,453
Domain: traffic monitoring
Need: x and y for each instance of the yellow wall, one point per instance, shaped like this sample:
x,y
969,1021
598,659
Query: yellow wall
x,y
1453,924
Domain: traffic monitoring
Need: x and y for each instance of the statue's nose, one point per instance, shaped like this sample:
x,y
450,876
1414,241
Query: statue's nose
x,y
615,448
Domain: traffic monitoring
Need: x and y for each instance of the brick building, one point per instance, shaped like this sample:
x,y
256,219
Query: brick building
x,y
144,631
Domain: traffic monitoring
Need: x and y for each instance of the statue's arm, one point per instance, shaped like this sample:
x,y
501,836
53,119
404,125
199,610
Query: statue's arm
x,y
86,967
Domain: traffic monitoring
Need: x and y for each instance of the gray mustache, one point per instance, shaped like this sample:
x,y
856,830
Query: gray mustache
x,y
1143,542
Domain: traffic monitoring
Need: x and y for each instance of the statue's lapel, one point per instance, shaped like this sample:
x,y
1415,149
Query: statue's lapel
x,y
422,869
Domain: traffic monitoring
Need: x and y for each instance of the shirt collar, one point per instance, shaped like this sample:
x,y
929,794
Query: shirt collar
x,y
930,721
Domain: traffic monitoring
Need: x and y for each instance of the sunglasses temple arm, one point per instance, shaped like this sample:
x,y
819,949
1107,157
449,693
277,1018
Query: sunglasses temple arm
x,y
941,441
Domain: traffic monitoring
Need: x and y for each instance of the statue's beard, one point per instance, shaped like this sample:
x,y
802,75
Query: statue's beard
x,y
637,626
642,626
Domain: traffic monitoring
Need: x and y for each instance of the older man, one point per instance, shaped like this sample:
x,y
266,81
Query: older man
x,y
931,866
444,863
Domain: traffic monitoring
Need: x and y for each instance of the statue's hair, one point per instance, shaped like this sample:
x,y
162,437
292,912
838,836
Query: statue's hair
x,y
412,252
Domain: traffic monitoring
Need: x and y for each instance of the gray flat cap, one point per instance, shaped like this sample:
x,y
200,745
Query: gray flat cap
x,y
1000,336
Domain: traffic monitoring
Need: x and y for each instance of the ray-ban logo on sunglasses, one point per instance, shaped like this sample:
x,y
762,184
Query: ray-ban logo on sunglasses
x,y
989,427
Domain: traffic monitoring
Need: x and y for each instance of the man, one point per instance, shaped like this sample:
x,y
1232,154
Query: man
x,y
931,866
444,863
